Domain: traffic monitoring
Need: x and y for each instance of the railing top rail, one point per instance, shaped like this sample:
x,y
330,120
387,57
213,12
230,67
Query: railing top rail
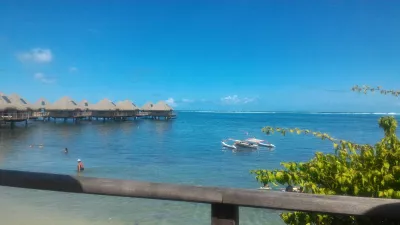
x,y
343,205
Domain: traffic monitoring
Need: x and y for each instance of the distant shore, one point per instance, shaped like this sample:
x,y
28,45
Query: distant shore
x,y
290,112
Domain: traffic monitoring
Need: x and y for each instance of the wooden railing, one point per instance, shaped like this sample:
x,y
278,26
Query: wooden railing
x,y
40,114
224,201
17,116
82,114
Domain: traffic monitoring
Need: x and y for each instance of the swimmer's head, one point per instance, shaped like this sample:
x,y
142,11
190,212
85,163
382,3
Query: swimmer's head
x,y
79,160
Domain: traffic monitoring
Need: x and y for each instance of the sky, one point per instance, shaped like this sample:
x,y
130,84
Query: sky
x,y
267,55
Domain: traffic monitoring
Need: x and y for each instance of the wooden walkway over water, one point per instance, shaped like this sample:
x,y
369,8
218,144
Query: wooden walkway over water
x,y
225,202
16,117
15,109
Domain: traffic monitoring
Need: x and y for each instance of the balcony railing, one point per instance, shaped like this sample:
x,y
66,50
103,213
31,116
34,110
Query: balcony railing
x,y
225,202
16,116
40,114
82,114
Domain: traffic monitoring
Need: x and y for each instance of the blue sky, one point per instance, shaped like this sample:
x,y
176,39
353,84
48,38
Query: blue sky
x,y
207,55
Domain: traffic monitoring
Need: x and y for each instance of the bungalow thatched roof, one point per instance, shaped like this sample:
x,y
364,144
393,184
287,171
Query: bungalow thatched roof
x,y
65,103
161,106
148,106
126,106
7,103
41,104
21,102
84,105
104,105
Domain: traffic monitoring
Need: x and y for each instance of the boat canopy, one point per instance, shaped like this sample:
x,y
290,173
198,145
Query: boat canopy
x,y
255,140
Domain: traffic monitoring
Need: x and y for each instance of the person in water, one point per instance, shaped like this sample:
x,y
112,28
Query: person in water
x,y
66,150
80,166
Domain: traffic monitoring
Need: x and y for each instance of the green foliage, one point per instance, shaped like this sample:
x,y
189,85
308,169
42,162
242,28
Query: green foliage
x,y
352,169
365,89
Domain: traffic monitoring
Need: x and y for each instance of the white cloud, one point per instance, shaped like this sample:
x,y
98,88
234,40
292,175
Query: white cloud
x,y
235,99
37,55
42,78
73,69
185,100
171,102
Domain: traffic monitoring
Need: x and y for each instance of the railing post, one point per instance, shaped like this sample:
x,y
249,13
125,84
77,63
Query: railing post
x,y
224,214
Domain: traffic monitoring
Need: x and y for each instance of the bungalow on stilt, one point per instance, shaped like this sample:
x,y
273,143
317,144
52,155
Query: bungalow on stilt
x,y
146,109
84,106
161,110
126,109
64,108
12,111
105,109
40,109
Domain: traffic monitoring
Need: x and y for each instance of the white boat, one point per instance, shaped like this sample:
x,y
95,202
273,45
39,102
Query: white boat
x,y
228,146
245,144
260,142
264,188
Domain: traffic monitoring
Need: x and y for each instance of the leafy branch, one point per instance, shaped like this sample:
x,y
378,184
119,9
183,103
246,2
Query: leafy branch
x,y
365,89
323,136
353,170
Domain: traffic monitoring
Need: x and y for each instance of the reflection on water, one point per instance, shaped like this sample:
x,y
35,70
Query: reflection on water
x,y
186,150
163,126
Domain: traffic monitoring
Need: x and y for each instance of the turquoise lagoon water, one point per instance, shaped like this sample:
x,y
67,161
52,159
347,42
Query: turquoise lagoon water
x,y
185,151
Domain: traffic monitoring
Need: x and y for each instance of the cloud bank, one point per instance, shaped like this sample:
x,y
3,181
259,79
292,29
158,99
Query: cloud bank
x,y
235,99
37,55
42,78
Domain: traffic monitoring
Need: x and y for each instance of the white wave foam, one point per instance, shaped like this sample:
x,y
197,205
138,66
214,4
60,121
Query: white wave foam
x,y
230,112
316,113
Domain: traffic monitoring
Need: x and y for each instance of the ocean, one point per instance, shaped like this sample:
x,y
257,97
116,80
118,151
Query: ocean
x,y
186,150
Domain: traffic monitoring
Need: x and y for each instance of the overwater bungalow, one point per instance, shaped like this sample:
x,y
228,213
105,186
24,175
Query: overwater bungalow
x,y
85,109
39,108
12,111
147,107
126,109
41,105
64,108
103,109
161,109
84,105
16,99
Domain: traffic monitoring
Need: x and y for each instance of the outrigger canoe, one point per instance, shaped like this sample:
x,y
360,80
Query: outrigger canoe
x,y
260,142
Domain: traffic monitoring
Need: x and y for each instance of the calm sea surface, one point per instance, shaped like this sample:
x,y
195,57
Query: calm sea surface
x,y
186,151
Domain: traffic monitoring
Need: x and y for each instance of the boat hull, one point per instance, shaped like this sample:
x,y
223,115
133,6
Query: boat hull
x,y
266,145
246,146
228,146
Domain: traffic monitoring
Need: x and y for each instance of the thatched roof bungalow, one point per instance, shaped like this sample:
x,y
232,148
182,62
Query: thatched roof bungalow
x,y
63,108
6,104
41,104
12,110
161,106
147,107
160,109
39,108
84,105
126,109
18,100
104,108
